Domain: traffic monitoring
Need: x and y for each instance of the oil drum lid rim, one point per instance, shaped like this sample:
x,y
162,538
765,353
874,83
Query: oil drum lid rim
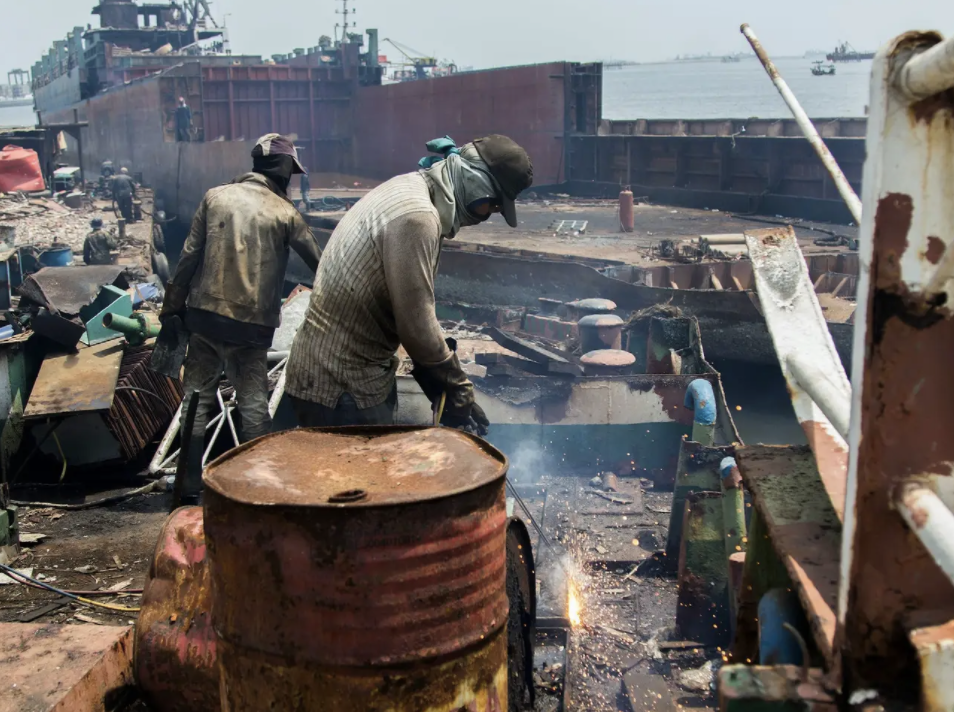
x,y
362,502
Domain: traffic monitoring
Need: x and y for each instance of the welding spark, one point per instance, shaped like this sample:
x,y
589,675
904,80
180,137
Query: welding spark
x,y
573,605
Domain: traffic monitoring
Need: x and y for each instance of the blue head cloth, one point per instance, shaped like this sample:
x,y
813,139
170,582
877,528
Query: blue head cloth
x,y
443,147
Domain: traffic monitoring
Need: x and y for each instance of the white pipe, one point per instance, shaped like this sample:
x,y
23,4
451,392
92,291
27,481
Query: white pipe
x,y
932,522
807,127
824,390
929,72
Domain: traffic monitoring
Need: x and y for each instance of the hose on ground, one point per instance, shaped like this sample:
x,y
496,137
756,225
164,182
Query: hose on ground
x,y
22,578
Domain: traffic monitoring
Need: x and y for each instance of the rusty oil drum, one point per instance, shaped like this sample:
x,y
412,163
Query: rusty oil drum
x,y
360,569
174,653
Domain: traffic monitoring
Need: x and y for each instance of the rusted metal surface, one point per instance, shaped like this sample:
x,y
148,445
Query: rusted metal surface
x,y
807,127
742,687
64,668
901,415
144,402
816,380
607,362
175,654
530,104
804,528
76,383
703,611
376,546
475,681
581,308
68,289
600,331
935,651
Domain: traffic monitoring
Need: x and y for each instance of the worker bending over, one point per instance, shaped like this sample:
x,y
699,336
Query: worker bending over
x,y
374,289
228,288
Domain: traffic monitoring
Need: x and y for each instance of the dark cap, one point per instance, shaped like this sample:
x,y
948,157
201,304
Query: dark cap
x,y
274,144
96,222
511,168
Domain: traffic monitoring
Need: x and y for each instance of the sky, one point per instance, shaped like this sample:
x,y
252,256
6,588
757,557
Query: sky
x,y
494,33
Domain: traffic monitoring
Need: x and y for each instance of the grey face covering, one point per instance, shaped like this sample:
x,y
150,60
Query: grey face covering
x,y
459,181
472,183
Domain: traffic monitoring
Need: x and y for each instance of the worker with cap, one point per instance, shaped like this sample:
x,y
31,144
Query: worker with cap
x,y
374,290
227,288
98,245
124,188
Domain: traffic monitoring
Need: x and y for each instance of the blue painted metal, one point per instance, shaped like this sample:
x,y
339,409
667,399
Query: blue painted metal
x,y
111,300
701,400
777,644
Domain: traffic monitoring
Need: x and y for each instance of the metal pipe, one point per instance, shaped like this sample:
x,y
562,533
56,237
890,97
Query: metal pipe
x,y
807,127
824,390
928,73
930,520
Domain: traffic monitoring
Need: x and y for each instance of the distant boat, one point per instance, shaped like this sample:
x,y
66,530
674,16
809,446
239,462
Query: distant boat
x,y
731,58
820,69
846,53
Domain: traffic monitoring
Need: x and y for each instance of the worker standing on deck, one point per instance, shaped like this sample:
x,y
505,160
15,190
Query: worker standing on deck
x,y
98,245
227,288
183,121
124,188
374,289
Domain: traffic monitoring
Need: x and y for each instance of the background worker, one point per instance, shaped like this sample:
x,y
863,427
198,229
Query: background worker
x,y
374,289
183,121
228,288
124,188
98,245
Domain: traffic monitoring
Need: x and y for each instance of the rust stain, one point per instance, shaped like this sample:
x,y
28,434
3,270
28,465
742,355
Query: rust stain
x,y
391,579
935,249
832,461
927,109
892,224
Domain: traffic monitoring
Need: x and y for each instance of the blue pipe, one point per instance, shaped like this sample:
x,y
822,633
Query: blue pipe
x,y
700,398
777,644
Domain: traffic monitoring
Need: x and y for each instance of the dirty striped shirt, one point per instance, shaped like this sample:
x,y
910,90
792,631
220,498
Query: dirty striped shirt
x,y
374,291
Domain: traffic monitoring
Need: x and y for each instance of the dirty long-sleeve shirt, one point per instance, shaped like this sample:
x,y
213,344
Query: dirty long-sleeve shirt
x,y
97,248
374,291
233,261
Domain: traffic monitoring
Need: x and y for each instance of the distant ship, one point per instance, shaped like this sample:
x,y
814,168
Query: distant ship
x,y
846,53
820,69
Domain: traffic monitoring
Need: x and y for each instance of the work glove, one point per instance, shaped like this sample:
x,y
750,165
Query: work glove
x,y
174,302
460,409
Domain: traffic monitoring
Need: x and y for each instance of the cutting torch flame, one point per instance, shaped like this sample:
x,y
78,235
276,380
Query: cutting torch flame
x,y
573,606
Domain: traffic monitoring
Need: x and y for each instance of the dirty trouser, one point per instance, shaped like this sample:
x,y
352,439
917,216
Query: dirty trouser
x,y
345,412
247,370
124,203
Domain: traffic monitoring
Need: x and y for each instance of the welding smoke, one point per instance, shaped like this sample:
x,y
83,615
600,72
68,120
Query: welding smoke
x,y
527,462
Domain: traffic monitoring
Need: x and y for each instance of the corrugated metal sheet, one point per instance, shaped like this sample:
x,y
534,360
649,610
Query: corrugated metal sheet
x,y
529,104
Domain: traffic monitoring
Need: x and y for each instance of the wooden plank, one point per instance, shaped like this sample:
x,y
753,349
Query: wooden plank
x,y
803,527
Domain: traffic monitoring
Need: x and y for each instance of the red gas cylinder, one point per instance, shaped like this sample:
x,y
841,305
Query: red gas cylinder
x,y
20,170
626,219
